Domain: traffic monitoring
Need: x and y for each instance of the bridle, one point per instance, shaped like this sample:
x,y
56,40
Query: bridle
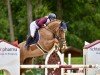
x,y
62,40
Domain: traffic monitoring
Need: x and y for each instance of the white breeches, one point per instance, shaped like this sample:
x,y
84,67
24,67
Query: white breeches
x,y
33,27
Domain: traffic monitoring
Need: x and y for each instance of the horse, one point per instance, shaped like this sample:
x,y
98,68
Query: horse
x,y
53,33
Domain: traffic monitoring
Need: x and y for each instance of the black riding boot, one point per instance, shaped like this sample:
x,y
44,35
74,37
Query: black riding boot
x,y
28,42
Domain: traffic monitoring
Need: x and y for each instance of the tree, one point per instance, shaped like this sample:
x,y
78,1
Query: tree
x,y
29,12
10,21
59,9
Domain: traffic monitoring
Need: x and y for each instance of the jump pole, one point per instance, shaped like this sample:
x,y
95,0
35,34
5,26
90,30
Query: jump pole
x,y
59,66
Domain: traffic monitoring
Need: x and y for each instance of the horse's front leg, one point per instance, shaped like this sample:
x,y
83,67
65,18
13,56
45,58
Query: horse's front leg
x,y
64,47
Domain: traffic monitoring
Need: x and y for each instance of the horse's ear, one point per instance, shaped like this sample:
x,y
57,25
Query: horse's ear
x,y
64,23
68,24
61,24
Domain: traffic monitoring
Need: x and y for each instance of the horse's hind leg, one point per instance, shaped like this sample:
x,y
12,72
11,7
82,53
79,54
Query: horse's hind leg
x,y
27,61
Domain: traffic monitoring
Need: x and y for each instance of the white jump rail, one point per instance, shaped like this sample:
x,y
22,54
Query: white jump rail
x,y
59,66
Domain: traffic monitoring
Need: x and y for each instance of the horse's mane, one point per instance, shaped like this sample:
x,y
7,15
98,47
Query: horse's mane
x,y
53,24
56,20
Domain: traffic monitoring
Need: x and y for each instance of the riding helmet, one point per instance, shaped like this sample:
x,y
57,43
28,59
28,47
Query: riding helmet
x,y
52,16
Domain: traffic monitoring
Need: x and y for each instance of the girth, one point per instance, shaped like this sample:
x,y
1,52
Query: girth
x,y
39,46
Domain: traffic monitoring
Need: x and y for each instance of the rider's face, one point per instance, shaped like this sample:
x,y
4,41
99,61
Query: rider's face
x,y
52,19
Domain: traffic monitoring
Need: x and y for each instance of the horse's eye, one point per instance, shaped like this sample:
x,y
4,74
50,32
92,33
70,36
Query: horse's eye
x,y
61,28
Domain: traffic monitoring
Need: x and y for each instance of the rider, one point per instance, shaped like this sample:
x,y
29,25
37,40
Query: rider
x,y
37,24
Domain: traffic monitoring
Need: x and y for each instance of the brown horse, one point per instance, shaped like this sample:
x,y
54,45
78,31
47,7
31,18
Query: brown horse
x,y
54,32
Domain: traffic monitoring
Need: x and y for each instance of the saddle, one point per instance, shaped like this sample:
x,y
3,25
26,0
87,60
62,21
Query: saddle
x,y
30,40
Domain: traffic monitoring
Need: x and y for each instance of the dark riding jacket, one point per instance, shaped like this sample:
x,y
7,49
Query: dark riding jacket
x,y
40,22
